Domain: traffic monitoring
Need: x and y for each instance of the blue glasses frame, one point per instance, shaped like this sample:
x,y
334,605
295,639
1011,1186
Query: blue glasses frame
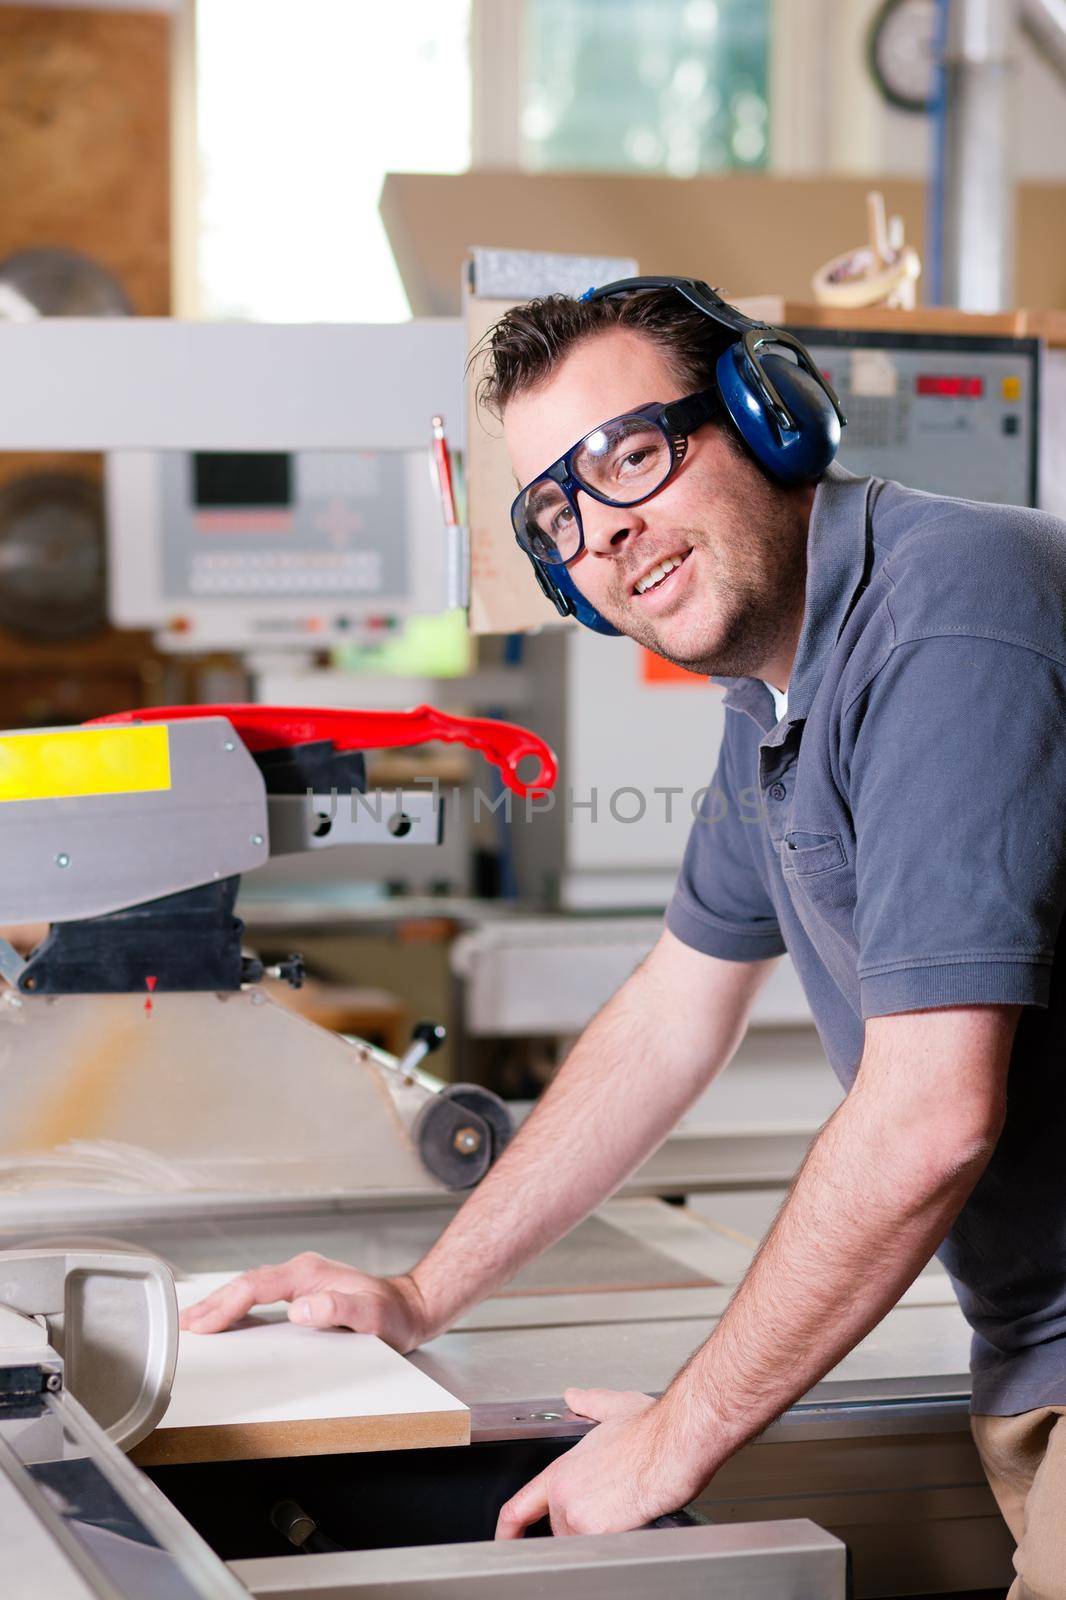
x,y
677,420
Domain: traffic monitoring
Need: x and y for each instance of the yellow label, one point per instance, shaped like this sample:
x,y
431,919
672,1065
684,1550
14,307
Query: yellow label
x,y
67,762
1012,388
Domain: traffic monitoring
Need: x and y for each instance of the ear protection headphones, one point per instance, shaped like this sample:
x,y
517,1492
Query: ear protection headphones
x,y
780,404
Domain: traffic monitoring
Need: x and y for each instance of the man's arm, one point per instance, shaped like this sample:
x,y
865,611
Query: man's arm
x,y
878,1191
637,1067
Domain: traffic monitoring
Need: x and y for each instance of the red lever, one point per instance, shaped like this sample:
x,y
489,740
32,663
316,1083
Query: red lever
x,y
505,744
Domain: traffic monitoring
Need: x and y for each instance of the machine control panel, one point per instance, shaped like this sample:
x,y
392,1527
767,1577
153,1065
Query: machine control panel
x,y
268,548
951,414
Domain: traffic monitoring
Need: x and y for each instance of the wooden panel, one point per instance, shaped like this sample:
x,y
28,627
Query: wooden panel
x,y
270,1388
85,131
746,233
1040,252
504,597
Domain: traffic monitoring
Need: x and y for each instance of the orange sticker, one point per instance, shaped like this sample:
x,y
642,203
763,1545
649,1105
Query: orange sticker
x,y
653,669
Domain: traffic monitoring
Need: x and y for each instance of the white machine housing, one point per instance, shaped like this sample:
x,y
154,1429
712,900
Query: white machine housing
x,y
360,532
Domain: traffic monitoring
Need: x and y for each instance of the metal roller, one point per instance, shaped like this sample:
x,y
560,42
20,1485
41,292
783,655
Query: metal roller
x,y
460,1132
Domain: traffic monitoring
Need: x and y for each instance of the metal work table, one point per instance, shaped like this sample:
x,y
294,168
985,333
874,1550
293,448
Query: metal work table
x,y
878,1454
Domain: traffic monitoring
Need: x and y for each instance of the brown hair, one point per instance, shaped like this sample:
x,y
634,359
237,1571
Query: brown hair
x,y
530,340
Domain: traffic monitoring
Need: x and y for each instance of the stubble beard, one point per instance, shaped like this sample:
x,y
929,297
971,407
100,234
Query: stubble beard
x,y
753,581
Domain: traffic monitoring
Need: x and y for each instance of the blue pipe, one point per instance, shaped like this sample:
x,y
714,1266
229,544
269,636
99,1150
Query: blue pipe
x,y
934,215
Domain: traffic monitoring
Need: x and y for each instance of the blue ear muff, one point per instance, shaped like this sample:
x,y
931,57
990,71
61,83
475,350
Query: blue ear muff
x,y
567,598
792,455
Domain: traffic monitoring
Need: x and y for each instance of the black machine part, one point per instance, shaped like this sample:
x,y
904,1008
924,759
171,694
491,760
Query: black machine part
x,y
460,1132
315,767
293,971
426,1037
181,941
301,1530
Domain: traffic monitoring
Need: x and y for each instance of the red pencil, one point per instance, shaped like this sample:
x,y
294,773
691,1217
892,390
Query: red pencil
x,y
443,463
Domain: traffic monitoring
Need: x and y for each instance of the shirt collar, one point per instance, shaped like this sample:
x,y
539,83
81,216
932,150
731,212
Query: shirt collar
x,y
837,545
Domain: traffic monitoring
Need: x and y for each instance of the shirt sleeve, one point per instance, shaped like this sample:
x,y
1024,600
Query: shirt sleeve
x,y
957,783
721,905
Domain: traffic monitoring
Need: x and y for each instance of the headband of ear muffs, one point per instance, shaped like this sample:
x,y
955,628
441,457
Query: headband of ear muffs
x,y
780,404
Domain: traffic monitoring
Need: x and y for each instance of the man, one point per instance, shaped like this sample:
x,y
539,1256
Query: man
x,y
889,807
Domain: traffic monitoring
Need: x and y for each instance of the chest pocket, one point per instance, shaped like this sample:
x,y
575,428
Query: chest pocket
x,y
820,879
807,854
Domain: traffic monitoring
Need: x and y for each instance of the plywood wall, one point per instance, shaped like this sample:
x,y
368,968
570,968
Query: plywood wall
x,y
84,141
84,165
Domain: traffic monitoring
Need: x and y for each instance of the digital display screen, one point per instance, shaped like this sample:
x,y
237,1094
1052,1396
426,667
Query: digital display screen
x,y
964,386
233,478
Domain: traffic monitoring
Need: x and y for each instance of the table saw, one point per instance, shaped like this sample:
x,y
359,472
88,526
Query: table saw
x,y
163,1117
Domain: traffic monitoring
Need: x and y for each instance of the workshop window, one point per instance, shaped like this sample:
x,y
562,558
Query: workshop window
x,y
301,110
670,86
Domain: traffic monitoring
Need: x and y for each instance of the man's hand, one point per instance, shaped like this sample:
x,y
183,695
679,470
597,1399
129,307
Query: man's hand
x,y
632,1468
322,1294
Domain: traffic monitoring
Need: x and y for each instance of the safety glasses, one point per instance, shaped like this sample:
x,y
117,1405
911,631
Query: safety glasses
x,y
621,463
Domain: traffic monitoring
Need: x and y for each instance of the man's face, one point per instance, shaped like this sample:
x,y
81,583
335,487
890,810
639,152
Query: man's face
x,y
740,541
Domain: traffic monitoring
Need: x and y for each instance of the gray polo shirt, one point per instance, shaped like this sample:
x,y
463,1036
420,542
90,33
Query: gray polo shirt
x,y
902,833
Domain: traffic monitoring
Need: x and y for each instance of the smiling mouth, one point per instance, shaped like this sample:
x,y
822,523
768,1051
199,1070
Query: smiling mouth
x,y
659,573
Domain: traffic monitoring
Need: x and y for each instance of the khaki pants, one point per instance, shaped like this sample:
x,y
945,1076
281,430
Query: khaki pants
x,y
1024,1458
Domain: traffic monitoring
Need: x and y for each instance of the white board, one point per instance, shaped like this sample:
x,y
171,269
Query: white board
x,y
270,1388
